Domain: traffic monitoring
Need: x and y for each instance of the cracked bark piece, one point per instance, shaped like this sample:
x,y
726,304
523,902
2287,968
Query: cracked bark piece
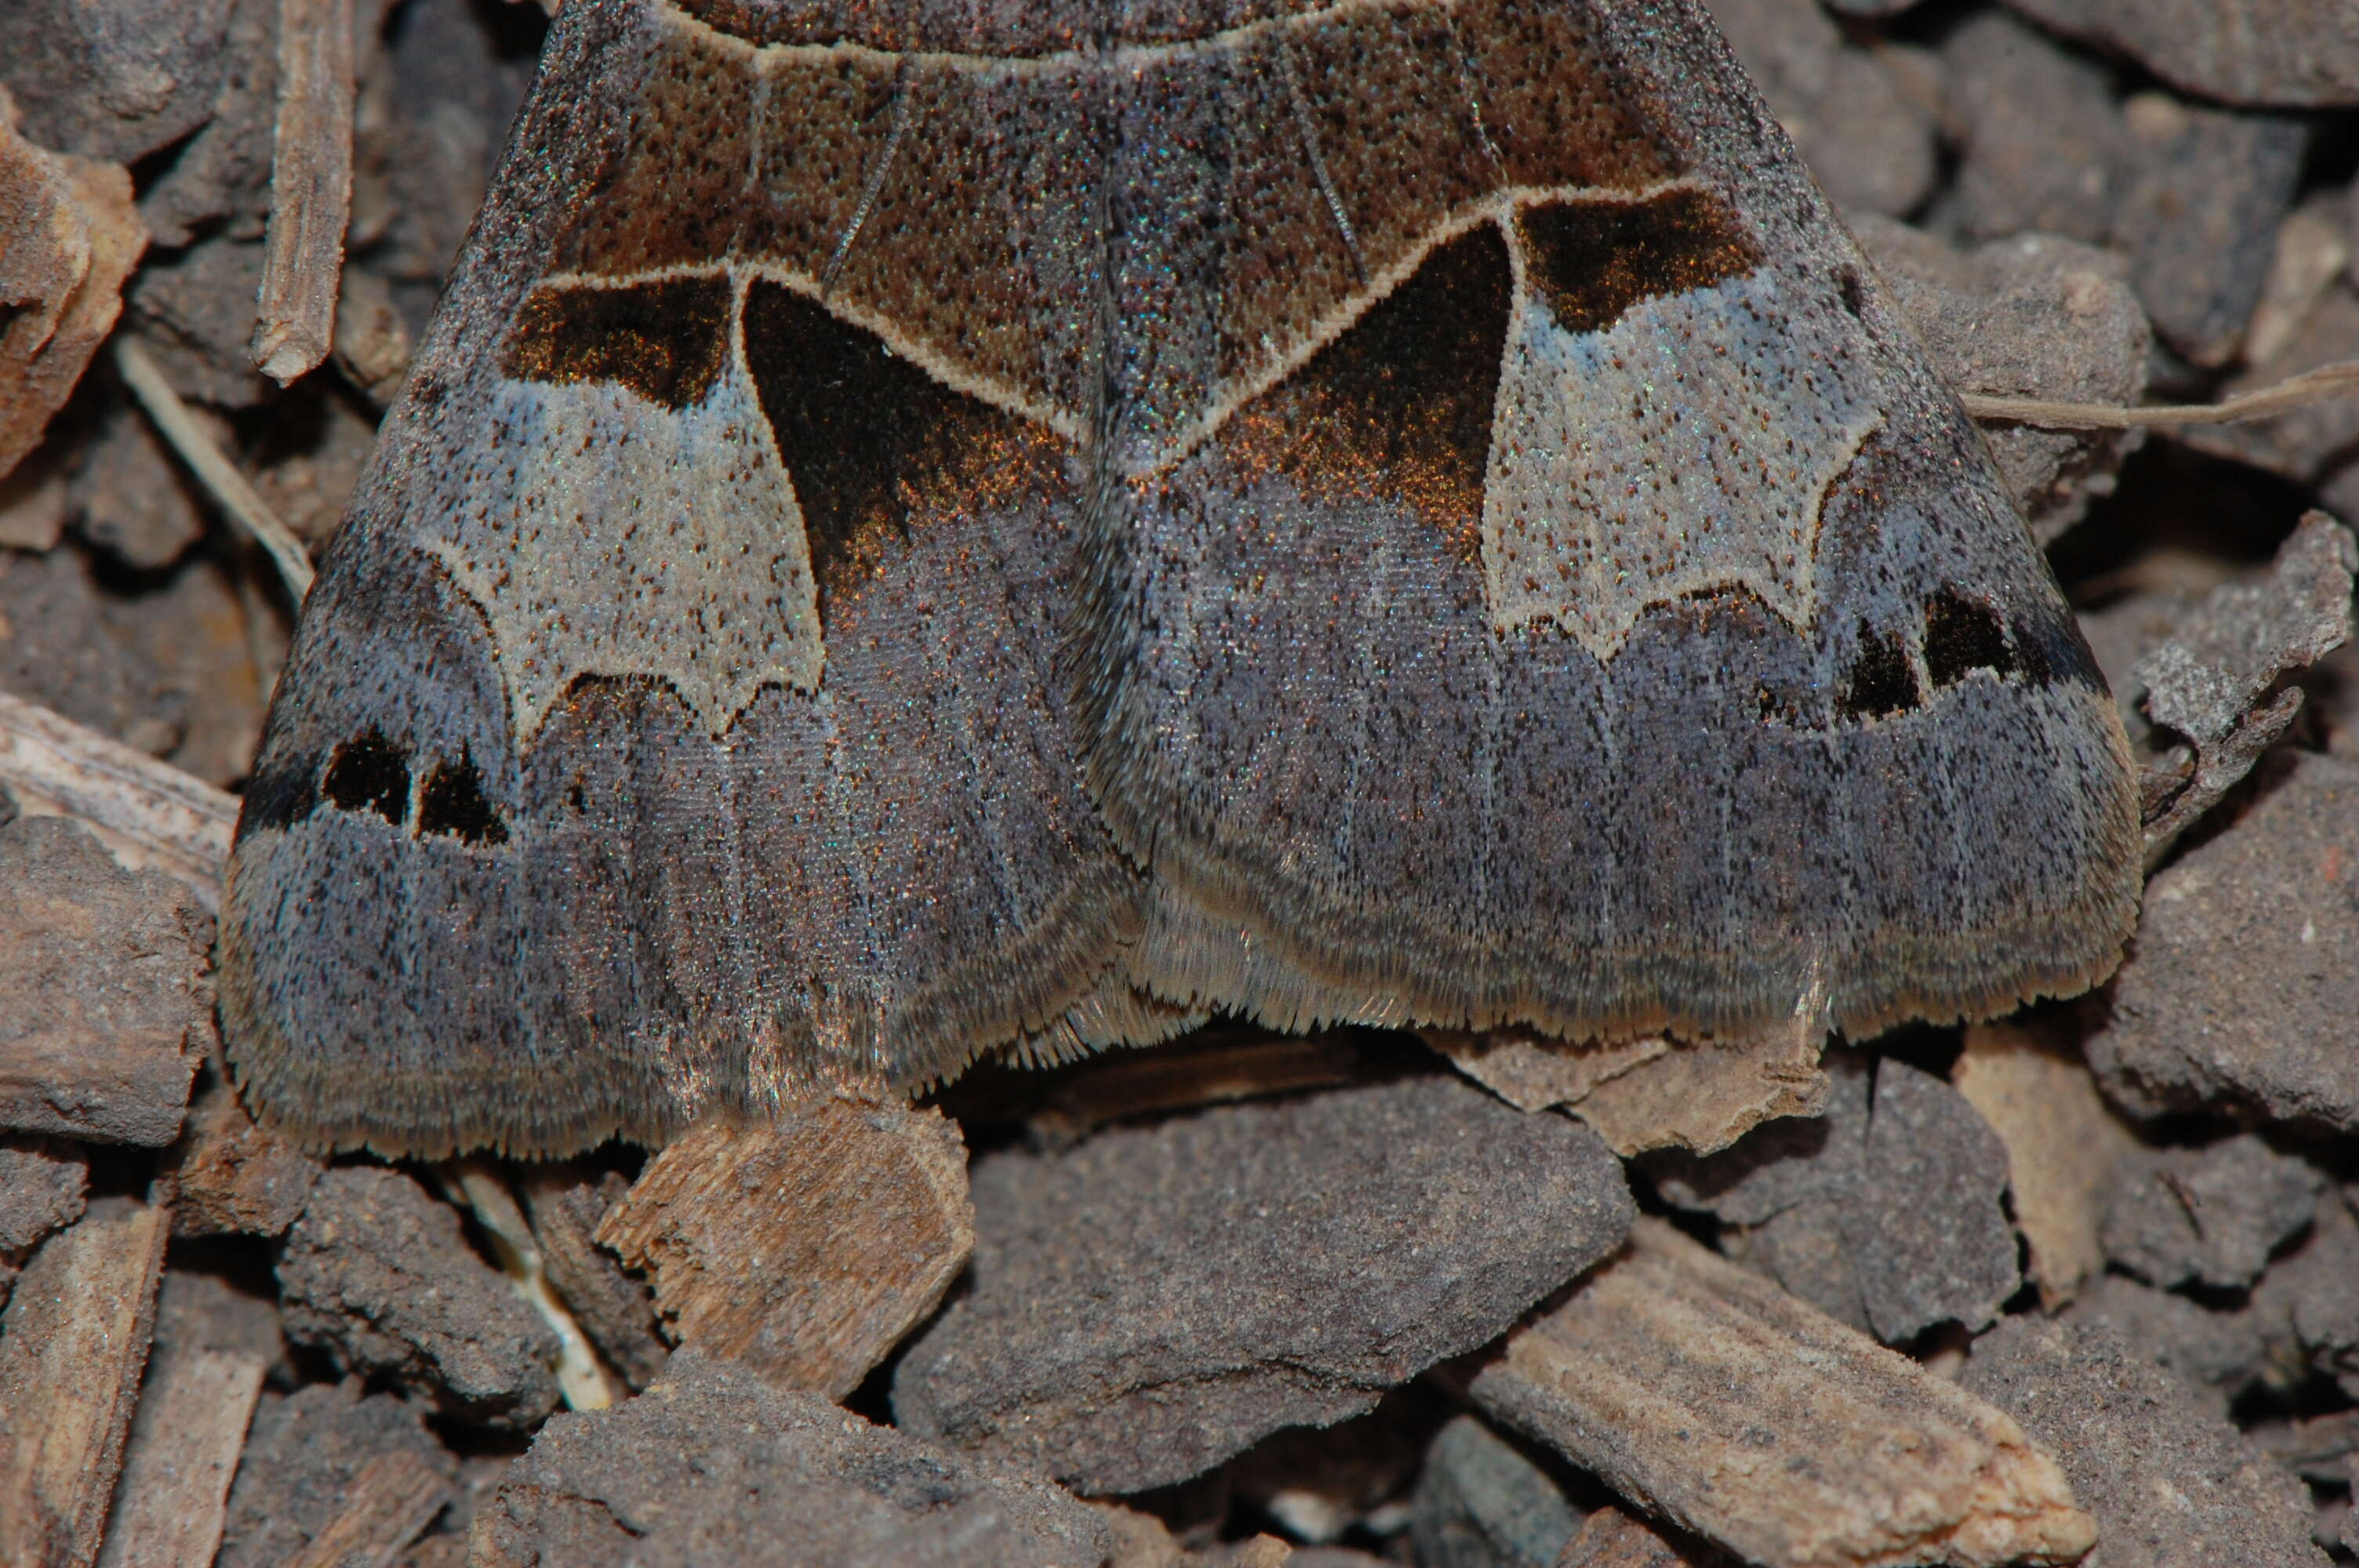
x,y
1862,119
713,1465
1886,1213
303,1455
69,237
72,1345
2172,1485
42,1183
1156,1299
1719,1401
2289,52
2062,1145
2212,681
2030,316
1652,1092
2208,1216
805,1248
2199,216
379,1275
109,996
565,1204
1480,1503
2269,908
229,1176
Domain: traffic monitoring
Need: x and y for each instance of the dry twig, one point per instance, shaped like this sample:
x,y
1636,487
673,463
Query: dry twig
x,y
2327,382
311,189
215,472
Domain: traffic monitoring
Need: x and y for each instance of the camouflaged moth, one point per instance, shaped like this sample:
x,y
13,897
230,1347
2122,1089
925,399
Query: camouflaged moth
x,y
942,527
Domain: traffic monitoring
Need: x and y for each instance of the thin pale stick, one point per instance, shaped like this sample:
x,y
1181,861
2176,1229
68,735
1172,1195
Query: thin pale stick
x,y
2321,386
476,1182
215,472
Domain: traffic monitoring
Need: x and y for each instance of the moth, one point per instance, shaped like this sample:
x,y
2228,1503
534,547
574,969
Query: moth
x,y
947,527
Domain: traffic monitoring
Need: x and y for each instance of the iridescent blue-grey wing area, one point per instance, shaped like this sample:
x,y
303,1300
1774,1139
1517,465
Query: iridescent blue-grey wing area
x,y
677,721
1537,578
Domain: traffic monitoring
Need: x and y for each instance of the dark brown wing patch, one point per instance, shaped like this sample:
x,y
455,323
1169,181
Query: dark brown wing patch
x,y
868,436
1592,261
1400,406
663,339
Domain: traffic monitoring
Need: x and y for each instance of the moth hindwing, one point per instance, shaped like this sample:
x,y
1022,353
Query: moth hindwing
x,y
1010,528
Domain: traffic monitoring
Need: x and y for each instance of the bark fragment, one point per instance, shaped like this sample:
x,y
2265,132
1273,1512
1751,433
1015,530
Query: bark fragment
x,y
806,1248
1718,1400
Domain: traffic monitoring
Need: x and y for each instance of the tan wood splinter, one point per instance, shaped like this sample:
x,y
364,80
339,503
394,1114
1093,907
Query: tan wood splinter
x,y
1745,1415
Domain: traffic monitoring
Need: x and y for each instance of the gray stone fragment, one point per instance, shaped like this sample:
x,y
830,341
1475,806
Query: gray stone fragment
x,y
2286,52
195,313
379,1275
2268,909
2172,1485
2215,1354
1862,122
2308,1304
131,497
1156,1299
114,79
713,1465
43,1184
222,173
1479,1503
2031,316
2199,216
1886,1213
302,1455
2214,681
1932,1235
2041,144
2208,1216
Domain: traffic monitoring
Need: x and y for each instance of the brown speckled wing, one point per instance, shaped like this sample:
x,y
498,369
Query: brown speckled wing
x,y
1537,578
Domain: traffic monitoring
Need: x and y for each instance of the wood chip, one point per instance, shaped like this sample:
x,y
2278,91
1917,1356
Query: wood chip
x,y
311,189
68,236
393,1499
231,1176
1721,1402
2063,1143
184,1447
806,1248
108,982
1653,1092
146,812
72,1345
